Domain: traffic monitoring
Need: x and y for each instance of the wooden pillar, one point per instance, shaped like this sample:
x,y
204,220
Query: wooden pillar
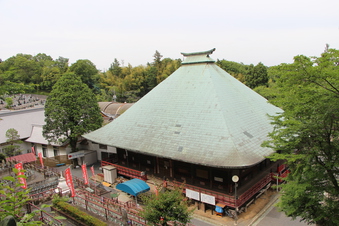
x,y
139,164
126,154
203,207
171,168
196,204
210,176
157,169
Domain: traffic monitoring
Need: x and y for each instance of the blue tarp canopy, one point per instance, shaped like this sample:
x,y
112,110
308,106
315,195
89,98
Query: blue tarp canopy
x,y
133,187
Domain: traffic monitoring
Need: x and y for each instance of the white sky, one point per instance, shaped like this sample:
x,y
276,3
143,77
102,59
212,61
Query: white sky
x,y
248,31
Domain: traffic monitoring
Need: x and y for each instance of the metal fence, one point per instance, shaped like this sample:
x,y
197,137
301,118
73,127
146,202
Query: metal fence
x,y
44,216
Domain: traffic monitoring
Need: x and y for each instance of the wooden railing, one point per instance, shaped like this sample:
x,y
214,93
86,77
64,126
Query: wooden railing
x,y
253,190
127,171
222,198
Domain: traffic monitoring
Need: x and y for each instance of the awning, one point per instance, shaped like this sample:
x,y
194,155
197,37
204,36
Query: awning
x,y
29,157
133,187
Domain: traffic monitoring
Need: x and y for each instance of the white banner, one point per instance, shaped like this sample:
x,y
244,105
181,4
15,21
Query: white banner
x,y
208,199
193,194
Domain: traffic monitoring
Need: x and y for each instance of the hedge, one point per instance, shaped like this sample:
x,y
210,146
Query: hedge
x,y
78,214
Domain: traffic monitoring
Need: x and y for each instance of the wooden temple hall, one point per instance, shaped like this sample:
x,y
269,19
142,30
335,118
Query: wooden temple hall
x,y
200,126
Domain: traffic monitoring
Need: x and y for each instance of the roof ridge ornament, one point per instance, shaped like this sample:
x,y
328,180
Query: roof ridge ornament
x,y
198,57
208,52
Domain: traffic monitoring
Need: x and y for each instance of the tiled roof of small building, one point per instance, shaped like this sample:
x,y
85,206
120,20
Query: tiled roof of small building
x,y
20,120
199,114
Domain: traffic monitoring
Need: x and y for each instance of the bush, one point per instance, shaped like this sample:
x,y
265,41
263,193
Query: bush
x,y
78,214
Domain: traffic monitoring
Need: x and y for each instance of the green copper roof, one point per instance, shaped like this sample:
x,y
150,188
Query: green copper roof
x,y
199,114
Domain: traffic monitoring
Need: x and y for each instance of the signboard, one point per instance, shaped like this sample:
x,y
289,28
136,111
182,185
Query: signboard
x,y
75,155
192,194
219,179
207,199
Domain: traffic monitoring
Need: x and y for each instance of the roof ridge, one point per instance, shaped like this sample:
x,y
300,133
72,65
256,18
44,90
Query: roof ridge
x,y
199,53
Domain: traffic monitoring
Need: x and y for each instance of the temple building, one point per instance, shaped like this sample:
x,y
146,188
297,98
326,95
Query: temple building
x,y
200,126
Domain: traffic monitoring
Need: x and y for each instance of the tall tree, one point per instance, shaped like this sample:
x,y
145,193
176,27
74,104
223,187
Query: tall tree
x,y
71,110
87,72
157,60
9,87
306,137
150,80
237,70
13,139
50,76
62,64
256,75
115,68
26,69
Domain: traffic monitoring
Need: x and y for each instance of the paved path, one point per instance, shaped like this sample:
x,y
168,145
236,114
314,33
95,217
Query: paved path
x,y
276,218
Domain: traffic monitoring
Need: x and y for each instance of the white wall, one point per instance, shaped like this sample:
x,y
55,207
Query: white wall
x,y
50,150
96,147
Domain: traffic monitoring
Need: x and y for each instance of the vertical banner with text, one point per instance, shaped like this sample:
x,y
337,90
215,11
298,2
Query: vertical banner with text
x,y
33,150
22,180
84,173
69,181
92,170
41,161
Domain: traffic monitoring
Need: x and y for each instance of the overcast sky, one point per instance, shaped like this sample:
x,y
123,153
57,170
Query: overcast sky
x,y
248,31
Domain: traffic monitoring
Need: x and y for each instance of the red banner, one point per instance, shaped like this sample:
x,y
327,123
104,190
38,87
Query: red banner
x,y
33,150
69,181
41,161
84,173
92,169
22,180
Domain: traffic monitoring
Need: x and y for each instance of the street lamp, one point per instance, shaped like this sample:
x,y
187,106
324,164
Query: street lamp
x,y
235,179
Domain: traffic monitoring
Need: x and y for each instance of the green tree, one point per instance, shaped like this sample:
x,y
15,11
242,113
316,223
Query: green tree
x,y
13,200
2,157
87,72
256,75
71,110
62,64
26,69
115,68
150,80
50,75
167,206
9,102
13,139
168,67
306,137
157,60
9,87
43,59
237,70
